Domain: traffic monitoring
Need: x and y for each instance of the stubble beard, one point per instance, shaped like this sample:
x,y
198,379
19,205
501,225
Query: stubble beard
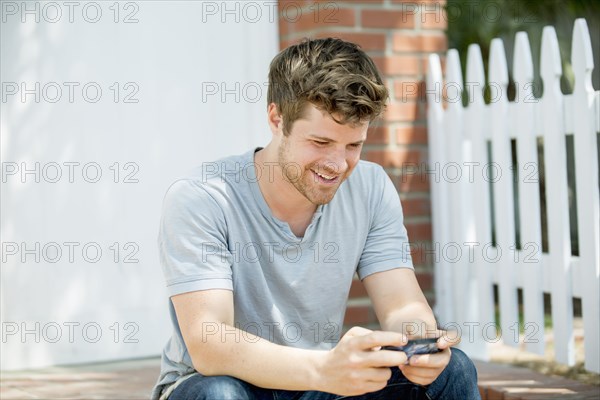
x,y
305,183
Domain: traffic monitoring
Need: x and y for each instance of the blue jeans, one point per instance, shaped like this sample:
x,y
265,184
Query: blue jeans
x,y
457,381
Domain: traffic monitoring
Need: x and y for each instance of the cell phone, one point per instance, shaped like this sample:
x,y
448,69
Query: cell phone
x,y
417,346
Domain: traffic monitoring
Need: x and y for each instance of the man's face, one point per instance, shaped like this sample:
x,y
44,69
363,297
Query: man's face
x,y
319,154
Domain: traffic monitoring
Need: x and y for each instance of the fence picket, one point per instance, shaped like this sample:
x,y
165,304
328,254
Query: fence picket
x,y
446,172
503,193
586,176
555,161
439,192
460,204
529,195
477,135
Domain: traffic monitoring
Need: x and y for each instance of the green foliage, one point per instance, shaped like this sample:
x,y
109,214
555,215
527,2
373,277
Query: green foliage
x,y
481,21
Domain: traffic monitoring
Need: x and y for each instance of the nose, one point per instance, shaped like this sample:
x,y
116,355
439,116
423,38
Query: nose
x,y
336,161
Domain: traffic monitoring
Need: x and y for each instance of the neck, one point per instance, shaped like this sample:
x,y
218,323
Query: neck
x,y
284,200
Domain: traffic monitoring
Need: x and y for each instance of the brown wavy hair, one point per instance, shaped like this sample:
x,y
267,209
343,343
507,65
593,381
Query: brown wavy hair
x,y
334,75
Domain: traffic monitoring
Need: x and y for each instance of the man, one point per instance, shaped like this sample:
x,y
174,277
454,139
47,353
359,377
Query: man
x,y
259,251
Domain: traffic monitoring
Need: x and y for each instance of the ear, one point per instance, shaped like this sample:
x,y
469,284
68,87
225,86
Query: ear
x,y
275,120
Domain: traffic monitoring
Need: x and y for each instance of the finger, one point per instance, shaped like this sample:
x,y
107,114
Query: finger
x,y
417,375
357,331
448,339
434,333
410,371
385,358
378,374
436,361
380,338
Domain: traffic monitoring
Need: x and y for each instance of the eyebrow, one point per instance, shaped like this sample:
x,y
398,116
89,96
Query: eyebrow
x,y
326,139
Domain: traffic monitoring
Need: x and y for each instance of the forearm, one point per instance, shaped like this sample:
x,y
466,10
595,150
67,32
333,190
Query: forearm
x,y
231,351
414,319
399,302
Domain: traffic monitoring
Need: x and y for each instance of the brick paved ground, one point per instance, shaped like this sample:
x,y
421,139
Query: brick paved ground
x,y
134,379
121,380
504,382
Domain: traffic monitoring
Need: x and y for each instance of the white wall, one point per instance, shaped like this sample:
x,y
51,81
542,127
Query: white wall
x,y
173,52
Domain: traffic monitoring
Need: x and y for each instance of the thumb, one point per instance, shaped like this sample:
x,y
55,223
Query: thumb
x,y
448,339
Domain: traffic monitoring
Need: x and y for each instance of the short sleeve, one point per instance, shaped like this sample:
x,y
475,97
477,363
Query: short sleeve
x,y
387,245
192,240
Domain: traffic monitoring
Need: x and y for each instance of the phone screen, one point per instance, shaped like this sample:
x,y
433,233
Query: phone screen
x,y
417,346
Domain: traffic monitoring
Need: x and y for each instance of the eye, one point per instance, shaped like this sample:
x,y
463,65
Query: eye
x,y
320,143
356,145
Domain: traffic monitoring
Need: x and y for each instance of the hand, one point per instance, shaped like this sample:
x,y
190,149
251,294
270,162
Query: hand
x,y
354,367
423,369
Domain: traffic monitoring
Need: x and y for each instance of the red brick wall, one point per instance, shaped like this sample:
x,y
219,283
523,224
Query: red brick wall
x,y
398,35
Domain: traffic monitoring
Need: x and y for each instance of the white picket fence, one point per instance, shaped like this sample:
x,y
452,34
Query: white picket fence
x,y
461,200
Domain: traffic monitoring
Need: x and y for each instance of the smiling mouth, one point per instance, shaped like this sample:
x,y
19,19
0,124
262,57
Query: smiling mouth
x,y
325,178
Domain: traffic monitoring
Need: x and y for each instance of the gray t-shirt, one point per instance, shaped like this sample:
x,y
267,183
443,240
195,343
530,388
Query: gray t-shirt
x,y
217,232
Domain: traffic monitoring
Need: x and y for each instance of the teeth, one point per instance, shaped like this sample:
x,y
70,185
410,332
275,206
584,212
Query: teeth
x,y
324,176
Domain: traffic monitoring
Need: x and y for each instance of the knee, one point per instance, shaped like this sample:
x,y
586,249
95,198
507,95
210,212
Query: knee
x,y
461,367
457,381
221,387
